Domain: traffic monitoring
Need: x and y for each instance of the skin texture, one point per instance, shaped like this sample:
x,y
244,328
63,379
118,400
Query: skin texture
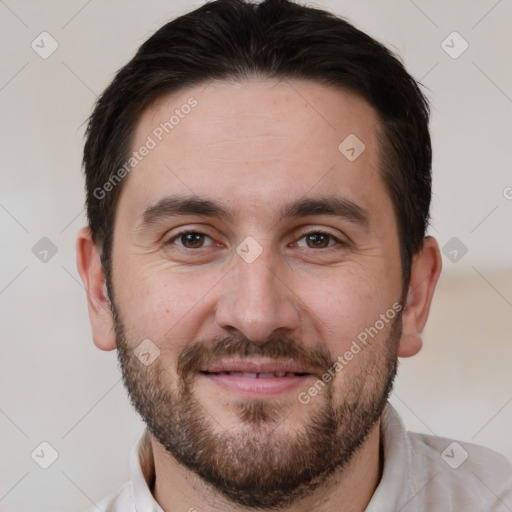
x,y
254,147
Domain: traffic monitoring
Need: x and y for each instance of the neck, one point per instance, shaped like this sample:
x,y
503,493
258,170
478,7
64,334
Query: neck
x,y
349,490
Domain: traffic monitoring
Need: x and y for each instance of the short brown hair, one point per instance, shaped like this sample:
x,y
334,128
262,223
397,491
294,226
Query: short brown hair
x,y
233,39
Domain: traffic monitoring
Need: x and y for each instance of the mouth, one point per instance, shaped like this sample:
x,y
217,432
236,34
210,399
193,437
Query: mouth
x,y
262,375
255,379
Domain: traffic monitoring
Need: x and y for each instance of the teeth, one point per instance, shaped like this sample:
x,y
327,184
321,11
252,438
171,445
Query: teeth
x,y
245,375
269,375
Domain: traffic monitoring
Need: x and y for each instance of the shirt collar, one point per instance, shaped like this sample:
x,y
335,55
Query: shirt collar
x,y
395,484
142,474
391,493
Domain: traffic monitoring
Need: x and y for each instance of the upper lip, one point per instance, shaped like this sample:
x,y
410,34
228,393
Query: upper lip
x,y
255,366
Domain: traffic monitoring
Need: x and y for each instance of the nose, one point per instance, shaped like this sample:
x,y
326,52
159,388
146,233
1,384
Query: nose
x,y
256,300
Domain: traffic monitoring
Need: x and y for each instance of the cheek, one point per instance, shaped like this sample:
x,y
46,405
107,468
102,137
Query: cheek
x,y
344,304
163,306
360,323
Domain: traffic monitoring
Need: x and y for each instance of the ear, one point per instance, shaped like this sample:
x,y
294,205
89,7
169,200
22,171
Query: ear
x,y
425,271
93,277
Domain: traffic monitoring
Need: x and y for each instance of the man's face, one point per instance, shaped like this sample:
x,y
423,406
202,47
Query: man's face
x,y
295,258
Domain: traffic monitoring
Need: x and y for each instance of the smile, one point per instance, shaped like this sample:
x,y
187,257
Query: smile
x,y
247,375
254,379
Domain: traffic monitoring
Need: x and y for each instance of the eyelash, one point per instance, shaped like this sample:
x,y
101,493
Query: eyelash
x,y
308,233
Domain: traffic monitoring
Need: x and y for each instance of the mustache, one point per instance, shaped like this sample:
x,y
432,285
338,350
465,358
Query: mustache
x,y
203,352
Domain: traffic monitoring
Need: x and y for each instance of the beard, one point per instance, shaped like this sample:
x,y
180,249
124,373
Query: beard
x,y
260,464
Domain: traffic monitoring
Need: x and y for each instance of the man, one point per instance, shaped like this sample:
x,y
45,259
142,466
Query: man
x,y
258,190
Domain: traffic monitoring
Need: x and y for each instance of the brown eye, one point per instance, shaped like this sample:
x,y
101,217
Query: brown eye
x,y
191,240
318,240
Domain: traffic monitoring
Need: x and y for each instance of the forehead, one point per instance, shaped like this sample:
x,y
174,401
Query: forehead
x,y
257,144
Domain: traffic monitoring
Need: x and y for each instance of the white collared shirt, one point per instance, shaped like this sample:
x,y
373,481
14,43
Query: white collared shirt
x,y
422,473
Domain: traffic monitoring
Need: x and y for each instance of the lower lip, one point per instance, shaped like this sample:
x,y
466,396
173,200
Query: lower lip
x,y
257,387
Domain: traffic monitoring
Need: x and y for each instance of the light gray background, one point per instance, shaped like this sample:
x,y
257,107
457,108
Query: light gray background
x,y
55,386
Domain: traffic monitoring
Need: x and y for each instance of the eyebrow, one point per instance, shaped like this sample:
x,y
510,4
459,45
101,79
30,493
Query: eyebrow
x,y
179,205
332,206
